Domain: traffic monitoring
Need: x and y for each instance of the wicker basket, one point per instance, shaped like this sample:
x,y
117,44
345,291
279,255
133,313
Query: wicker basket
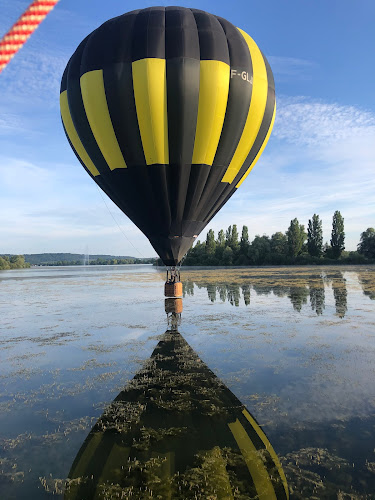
x,y
173,289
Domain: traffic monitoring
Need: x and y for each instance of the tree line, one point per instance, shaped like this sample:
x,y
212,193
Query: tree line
x,y
99,262
13,262
295,246
23,261
75,259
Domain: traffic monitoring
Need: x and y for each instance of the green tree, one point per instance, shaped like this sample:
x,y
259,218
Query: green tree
x,y
210,242
279,243
13,262
17,261
296,237
337,235
244,242
196,254
219,251
366,245
220,238
234,244
315,236
4,263
260,250
227,256
228,236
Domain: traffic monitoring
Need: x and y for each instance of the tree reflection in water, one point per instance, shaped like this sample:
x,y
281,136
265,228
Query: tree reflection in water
x,y
367,283
317,295
176,431
297,290
340,292
298,296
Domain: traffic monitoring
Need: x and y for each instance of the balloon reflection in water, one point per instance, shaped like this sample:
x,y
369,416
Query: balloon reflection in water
x,y
176,431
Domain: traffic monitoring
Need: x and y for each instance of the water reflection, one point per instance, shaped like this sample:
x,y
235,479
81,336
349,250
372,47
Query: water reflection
x,y
368,285
307,287
340,292
176,431
316,292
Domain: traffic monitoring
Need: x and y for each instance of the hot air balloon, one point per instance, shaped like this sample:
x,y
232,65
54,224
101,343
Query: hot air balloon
x,y
168,109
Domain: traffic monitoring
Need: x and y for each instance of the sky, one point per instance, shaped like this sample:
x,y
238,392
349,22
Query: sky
x,y
320,157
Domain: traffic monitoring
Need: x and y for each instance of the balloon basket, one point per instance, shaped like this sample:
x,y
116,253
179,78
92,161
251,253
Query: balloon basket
x,y
173,285
173,289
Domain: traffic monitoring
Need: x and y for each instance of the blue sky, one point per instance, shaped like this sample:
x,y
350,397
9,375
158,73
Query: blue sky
x,y
320,157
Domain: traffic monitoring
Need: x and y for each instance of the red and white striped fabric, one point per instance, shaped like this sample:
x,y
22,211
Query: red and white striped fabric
x,y
23,28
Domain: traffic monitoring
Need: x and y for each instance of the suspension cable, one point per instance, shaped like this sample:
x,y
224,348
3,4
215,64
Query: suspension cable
x,y
118,225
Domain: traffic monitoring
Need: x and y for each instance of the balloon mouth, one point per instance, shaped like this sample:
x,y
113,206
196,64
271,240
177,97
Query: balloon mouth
x,y
171,249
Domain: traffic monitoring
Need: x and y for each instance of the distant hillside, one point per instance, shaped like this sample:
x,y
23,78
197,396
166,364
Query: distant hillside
x,y
61,259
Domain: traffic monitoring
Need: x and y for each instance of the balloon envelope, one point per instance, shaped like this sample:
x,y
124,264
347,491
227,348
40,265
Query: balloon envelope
x,y
168,109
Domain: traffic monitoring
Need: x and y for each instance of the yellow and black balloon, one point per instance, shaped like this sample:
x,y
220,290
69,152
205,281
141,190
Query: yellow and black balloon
x,y
168,109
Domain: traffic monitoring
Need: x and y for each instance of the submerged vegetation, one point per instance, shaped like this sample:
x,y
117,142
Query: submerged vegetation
x,y
295,246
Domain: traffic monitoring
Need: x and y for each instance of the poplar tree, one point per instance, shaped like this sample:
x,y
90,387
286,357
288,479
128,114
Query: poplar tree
x,y
210,242
234,244
296,237
220,238
337,235
315,236
228,236
244,243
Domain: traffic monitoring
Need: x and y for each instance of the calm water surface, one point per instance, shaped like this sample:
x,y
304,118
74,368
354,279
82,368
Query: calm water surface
x,y
295,345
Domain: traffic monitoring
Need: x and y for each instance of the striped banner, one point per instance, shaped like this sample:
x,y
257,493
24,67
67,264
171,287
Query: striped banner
x,y
23,28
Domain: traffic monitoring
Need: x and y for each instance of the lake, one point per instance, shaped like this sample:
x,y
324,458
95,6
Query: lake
x,y
296,346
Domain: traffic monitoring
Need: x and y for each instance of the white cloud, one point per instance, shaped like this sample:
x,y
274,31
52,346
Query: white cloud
x,y
321,158
305,122
44,209
290,68
33,80
11,123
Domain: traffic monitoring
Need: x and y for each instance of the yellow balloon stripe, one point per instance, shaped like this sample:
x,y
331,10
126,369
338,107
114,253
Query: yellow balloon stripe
x,y
87,454
212,105
112,472
73,136
254,462
216,472
269,448
96,107
256,110
150,92
261,149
